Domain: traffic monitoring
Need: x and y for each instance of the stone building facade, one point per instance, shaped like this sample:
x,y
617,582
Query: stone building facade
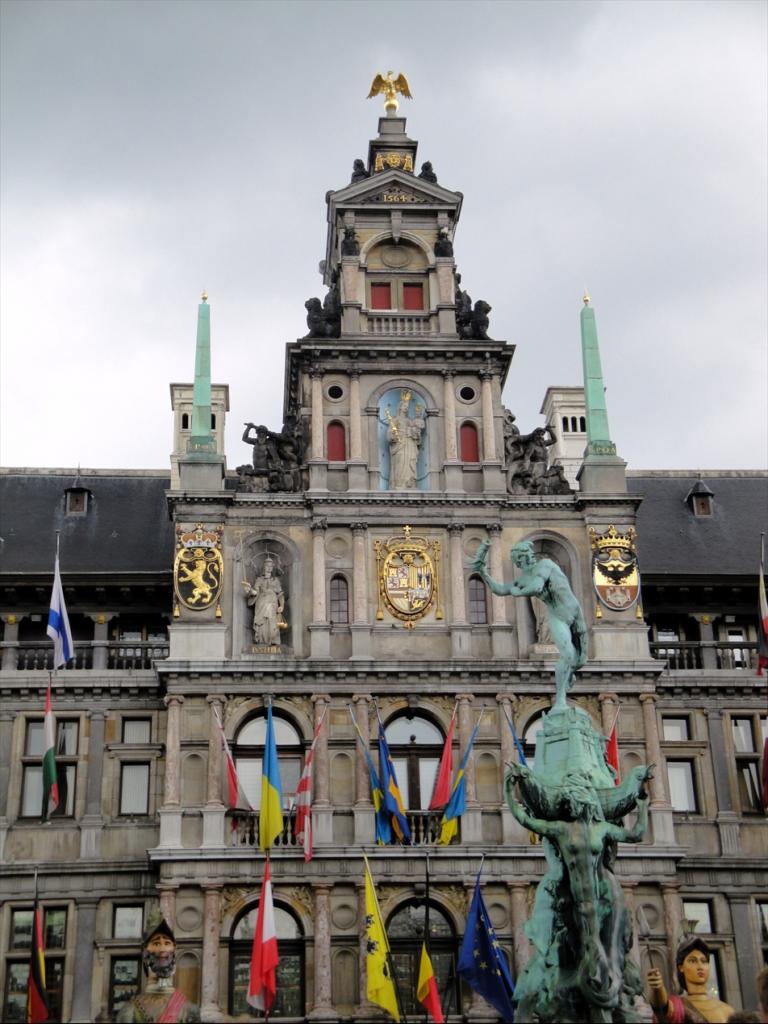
x,y
344,589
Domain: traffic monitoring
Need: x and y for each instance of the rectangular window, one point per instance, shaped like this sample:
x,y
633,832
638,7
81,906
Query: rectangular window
x,y
381,296
21,929
401,770
413,296
136,730
128,922
134,789
124,979
17,974
249,774
699,914
32,770
749,786
674,730
54,927
743,740
762,924
682,791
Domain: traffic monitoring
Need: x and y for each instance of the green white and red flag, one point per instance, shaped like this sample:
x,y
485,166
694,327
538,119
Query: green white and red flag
x,y
51,798
762,616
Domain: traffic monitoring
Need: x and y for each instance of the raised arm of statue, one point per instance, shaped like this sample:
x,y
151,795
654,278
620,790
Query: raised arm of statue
x,y
530,584
246,433
479,566
543,828
636,833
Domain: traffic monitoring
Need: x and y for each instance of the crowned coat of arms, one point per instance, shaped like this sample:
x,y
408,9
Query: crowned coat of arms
x,y
408,577
198,570
615,574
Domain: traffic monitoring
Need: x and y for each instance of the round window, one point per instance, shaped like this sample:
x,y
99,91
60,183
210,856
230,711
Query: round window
x,y
336,391
467,393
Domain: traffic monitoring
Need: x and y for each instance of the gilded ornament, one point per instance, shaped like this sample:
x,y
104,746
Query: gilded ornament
x,y
198,569
390,86
408,575
615,573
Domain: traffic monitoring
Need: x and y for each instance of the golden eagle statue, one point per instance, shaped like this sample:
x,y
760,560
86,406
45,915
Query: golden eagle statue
x,y
390,86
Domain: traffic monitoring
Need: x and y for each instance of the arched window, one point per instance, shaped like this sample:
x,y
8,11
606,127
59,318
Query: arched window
x,y
337,442
416,745
248,753
574,424
185,421
565,424
339,594
582,424
405,930
478,604
470,449
530,733
213,421
290,999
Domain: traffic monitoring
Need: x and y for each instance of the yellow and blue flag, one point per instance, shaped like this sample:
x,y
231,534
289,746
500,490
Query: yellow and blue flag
x,y
383,827
482,963
271,811
449,823
393,800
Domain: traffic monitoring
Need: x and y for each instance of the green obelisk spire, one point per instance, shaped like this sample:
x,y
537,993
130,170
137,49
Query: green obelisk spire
x,y
598,435
201,446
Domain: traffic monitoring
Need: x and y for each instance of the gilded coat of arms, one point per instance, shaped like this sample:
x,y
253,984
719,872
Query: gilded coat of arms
x,y
615,574
407,568
198,571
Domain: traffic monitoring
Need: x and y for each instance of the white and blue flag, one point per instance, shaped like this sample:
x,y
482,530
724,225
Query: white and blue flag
x,y
58,622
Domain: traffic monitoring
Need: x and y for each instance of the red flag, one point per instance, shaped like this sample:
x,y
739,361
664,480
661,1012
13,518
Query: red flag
x,y
37,1001
762,620
236,797
612,750
303,799
442,791
426,990
262,984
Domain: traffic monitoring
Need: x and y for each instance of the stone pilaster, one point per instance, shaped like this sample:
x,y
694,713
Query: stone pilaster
x,y
170,812
748,956
519,911
318,466
460,631
673,920
82,1006
728,823
6,732
101,622
502,636
356,465
493,479
10,644
91,823
512,831
471,821
214,810
452,466
211,931
660,807
609,705
707,637
167,896
320,630
363,810
629,903
322,810
323,1006
360,628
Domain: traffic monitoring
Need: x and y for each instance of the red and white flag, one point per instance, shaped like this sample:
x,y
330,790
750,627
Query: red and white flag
x,y
236,797
303,800
262,984
612,750
442,791
762,618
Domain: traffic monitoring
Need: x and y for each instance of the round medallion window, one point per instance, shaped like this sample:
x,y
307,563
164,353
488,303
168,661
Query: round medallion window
x,y
396,256
467,393
336,391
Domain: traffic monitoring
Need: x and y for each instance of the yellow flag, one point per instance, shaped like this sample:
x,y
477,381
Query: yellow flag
x,y
381,986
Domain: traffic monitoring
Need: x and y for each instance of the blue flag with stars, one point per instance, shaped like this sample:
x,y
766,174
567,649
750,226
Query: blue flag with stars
x,y
482,963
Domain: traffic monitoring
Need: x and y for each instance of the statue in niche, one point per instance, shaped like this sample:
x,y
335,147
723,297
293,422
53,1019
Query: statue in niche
x,y
349,243
359,172
160,1001
265,595
404,436
541,620
427,173
443,244
695,1005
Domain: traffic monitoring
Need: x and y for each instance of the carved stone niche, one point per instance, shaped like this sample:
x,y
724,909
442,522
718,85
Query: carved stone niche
x,y
268,615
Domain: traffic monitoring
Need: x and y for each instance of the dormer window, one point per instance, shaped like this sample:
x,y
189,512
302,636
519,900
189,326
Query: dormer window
x,y
185,421
76,501
381,296
413,296
700,499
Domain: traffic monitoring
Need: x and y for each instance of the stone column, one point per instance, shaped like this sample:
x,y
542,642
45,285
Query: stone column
x,y
461,646
728,822
167,897
363,809
82,986
489,433
319,630
503,642
660,807
673,920
511,830
91,822
629,903
323,1006
6,733
318,432
707,637
471,819
519,907
609,705
101,639
322,809
211,931
214,811
360,628
355,421
748,956
170,812
449,408
10,642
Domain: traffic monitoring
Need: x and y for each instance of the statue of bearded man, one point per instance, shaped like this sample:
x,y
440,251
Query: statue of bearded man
x,y
160,1003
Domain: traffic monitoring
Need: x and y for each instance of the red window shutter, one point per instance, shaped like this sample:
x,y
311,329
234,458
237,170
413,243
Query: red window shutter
x,y
381,296
413,296
470,450
337,443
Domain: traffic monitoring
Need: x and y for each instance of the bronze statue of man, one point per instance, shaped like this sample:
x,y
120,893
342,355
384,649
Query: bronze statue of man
x,y
160,1003
544,579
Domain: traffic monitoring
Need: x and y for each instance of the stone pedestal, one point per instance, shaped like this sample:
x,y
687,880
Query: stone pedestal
x,y
365,825
603,474
319,641
357,476
361,643
568,740
197,641
170,828
461,642
214,817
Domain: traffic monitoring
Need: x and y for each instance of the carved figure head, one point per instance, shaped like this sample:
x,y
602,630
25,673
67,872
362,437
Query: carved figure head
x,y
158,948
522,554
269,565
692,962
358,166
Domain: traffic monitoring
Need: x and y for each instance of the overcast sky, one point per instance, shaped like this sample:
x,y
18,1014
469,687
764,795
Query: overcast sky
x,y
150,150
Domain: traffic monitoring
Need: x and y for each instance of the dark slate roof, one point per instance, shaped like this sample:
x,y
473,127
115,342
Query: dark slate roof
x,y
126,527
671,539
